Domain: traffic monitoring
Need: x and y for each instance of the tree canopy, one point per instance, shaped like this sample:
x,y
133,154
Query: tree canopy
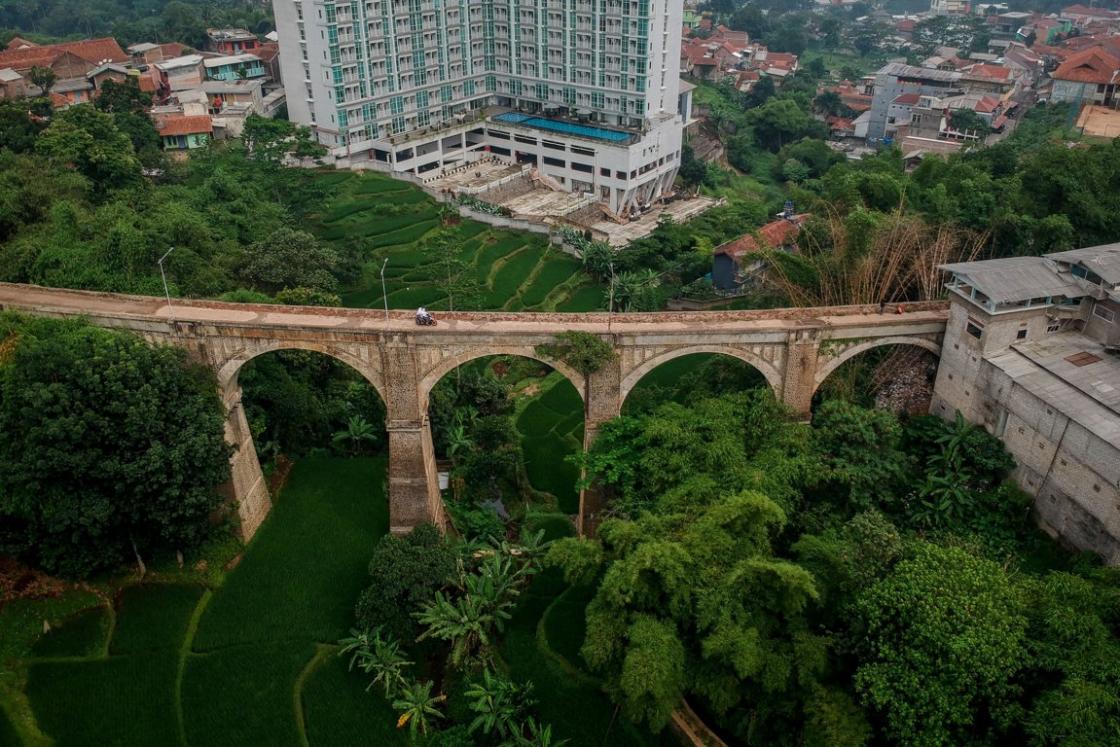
x,y
111,446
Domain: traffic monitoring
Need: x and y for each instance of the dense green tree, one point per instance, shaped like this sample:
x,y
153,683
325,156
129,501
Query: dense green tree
x,y
943,641
405,571
89,141
860,450
288,258
112,448
42,78
271,141
781,121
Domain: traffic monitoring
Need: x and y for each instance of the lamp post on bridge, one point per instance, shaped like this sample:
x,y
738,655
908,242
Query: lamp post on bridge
x,y
384,295
166,292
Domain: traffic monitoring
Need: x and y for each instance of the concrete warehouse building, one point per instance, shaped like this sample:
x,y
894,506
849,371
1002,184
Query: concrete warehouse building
x,y
1032,351
585,90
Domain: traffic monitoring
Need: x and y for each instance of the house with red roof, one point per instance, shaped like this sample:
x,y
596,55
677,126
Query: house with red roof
x,y
1087,77
180,133
1082,15
68,60
740,260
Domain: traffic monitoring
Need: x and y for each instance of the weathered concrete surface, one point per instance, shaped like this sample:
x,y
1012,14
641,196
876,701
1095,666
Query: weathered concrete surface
x,y
795,349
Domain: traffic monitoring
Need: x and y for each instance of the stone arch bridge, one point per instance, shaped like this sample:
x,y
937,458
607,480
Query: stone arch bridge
x,y
795,349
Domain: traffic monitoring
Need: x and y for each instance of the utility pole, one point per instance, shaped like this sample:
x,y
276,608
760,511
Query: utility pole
x,y
166,292
384,295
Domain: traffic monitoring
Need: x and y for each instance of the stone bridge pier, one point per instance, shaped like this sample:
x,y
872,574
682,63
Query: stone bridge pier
x,y
794,349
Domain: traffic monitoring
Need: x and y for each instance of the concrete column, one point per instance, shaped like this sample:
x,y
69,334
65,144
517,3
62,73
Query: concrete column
x,y
603,402
246,485
414,496
800,373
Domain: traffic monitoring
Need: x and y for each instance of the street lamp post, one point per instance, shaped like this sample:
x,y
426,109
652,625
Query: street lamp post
x,y
610,301
166,292
384,295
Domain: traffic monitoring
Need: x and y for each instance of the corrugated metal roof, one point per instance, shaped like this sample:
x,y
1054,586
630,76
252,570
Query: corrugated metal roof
x,y
1016,279
902,70
1103,260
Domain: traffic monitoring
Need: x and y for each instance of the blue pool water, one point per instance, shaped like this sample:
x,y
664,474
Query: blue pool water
x,y
567,128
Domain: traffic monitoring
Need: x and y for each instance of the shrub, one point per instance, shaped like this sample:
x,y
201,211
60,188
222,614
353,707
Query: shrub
x,y
404,572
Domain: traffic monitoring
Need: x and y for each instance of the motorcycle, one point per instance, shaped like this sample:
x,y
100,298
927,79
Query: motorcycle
x,y
426,321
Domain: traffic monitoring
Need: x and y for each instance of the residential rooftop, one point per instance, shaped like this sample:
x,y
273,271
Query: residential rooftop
x,y
1072,373
1104,260
1015,279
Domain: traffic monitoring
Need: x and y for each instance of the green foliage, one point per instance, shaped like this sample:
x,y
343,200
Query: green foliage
x,y
418,707
271,140
290,259
583,351
132,21
944,638
678,454
379,656
405,572
298,400
111,446
860,450
501,704
90,142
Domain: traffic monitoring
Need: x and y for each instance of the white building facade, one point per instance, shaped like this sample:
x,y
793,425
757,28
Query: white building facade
x,y
586,90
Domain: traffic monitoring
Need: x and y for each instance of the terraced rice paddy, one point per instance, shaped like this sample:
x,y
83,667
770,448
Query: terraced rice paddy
x,y
492,269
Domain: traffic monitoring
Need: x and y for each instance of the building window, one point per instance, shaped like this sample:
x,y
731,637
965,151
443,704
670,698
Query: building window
x,y
1080,272
1104,313
1021,334
974,328
1001,424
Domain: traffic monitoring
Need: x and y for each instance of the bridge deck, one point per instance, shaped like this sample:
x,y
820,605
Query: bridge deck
x,y
67,302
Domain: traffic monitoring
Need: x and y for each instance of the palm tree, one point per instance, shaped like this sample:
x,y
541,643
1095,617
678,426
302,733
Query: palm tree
x,y
358,433
458,441
465,622
418,707
540,735
499,703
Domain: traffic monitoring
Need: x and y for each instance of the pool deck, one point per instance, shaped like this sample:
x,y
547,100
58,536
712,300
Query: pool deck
x,y
524,122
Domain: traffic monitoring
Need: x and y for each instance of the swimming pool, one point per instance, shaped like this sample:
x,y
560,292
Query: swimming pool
x,y
566,128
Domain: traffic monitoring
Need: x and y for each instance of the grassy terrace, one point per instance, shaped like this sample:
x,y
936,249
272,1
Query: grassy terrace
x,y
250,657
503,270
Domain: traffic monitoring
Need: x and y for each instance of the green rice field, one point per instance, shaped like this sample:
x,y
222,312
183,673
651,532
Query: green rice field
x,y
252,658
492,269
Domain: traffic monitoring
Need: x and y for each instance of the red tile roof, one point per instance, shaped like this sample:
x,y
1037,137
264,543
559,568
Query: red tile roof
x,y
1091,66
1082,10
94,51
773,235
183,125
907,99
990,71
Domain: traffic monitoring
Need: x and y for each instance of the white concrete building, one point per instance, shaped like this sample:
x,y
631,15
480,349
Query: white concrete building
x,y
1032,352
586,90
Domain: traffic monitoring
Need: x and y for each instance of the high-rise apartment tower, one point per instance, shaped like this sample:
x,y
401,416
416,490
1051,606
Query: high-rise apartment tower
x,y
585,90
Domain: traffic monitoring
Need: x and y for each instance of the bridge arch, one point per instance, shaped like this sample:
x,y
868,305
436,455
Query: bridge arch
x,y
449,363
229,368
824,369
766,368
